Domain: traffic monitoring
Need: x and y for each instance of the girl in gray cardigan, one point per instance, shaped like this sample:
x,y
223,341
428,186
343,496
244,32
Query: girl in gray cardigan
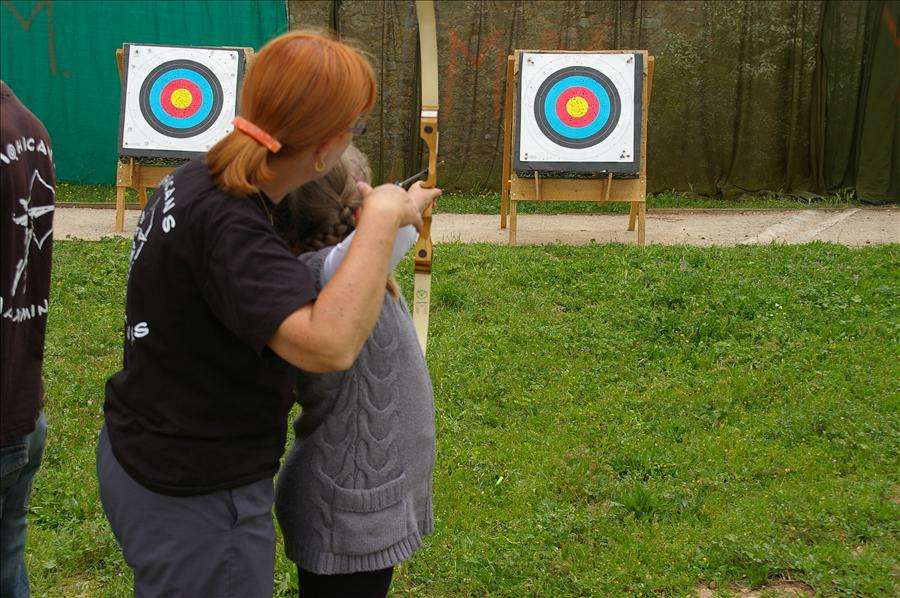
x,y
354,496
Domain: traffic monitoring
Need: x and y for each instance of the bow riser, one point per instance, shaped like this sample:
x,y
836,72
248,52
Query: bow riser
x,y
428,132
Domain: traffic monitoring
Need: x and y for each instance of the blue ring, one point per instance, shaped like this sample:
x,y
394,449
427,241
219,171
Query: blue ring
x,y
167,119
577,132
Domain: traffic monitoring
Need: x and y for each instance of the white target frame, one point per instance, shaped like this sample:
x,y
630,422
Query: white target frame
x,y
618,152
137,137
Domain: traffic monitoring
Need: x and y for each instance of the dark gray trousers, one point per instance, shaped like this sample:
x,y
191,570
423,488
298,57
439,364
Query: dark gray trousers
x,y
213,545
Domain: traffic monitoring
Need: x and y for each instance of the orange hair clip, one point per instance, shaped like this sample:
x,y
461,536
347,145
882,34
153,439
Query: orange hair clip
x,y
261,137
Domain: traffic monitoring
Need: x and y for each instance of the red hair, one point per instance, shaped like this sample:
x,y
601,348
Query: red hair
x,y
302,88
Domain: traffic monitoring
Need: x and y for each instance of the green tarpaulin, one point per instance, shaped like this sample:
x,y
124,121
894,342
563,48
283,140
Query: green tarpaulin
x,y
59,58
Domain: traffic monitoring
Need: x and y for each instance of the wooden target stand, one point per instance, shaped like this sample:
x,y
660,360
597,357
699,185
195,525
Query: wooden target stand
x,y
515,189
130,173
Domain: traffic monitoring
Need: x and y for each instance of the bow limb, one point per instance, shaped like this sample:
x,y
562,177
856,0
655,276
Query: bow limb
x,y
429,133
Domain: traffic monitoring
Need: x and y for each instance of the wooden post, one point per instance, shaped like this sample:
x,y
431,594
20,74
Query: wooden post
x,y
642,223
608,186
507,137
120,209
642,206
120,190
537,187
632,215
124,179
513,224
120,64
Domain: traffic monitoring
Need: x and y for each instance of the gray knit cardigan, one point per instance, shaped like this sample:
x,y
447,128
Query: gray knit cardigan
x,y
355,490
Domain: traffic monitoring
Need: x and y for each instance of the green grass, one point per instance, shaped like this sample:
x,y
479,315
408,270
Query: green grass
x,y
489,203
78,193
612,421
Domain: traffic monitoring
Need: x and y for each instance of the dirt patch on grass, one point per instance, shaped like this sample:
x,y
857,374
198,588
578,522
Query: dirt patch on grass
x,y
777,589
895,494
80,586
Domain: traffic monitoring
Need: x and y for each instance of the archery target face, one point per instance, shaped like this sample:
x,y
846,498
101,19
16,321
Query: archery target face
x,y
579,112
178,101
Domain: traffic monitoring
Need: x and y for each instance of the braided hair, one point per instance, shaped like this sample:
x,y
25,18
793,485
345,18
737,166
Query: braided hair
x,y
322,212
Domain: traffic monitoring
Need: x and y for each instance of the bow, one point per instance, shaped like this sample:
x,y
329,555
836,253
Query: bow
x,y
429,134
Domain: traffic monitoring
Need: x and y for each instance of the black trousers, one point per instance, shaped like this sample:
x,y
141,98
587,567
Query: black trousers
x,y
366,584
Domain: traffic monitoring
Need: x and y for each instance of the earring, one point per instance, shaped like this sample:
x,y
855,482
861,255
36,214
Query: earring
x,y
319,165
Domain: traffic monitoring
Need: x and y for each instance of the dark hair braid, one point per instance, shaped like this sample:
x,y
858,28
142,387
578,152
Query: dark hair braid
x,y
322,213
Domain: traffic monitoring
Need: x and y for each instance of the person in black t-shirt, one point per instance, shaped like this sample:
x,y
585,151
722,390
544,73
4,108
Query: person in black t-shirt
x,y
27,181
218,309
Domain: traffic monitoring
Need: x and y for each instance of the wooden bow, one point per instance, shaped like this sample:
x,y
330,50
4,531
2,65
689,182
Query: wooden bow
x,y
429,133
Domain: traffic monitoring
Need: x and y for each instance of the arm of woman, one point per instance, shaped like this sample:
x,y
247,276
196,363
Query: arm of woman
x,y
328,334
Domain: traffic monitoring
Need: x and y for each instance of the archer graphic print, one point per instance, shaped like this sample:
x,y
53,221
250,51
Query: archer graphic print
x,y
27,191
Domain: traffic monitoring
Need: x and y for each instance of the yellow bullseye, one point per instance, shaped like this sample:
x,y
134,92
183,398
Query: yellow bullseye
x,y
181,98
577,107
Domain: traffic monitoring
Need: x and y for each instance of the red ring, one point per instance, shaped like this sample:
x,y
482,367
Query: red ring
x,y
581,121
166,99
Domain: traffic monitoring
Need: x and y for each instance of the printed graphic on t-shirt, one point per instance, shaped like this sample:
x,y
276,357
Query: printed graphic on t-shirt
x,y
148,217
31,215
142,233
15,148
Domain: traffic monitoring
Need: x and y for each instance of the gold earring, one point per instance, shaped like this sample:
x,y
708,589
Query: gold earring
x,y
319,165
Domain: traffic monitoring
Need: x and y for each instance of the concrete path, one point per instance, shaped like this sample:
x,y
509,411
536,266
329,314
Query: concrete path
x,y
854,227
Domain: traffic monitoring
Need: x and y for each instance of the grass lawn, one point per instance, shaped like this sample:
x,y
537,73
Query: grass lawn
x,y
612,421
489,203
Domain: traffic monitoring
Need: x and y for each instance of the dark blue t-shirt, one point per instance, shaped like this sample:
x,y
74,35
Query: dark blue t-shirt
x,y
201,402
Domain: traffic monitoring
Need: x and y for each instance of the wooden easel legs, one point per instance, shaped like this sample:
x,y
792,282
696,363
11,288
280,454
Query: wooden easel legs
x,y
124,178
120,204
637,215
132,175
638,212
120,209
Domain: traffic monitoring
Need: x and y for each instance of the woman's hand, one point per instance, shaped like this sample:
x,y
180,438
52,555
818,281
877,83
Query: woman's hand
x,y
405,207
423,197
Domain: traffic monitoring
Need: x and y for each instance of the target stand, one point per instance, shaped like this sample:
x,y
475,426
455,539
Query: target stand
x,y
575,129
177,102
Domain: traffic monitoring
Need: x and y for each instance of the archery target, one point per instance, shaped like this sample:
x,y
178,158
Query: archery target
x,y
579,112
178,101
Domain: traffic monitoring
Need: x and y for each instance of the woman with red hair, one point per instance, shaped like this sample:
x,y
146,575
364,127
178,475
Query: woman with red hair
x,y
218,309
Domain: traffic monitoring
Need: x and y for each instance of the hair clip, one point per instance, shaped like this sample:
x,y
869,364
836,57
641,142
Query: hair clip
x,y
253,132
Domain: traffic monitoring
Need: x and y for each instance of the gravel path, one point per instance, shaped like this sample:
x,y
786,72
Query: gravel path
x,y
854,227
